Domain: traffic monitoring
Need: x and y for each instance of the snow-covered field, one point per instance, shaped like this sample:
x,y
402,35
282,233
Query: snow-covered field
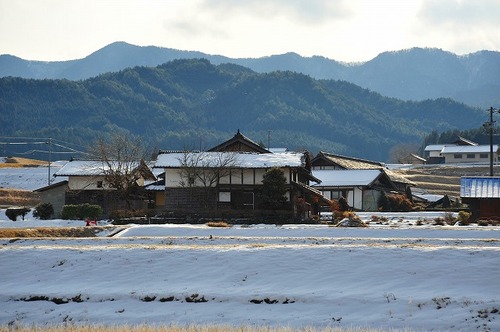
x,y
419,277
398,275
30,178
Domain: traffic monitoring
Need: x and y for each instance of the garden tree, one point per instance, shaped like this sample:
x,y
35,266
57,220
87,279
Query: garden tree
x,y
273,189
121,160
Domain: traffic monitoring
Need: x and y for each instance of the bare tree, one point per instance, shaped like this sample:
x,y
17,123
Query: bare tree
x,y
122,163
205,169
202,172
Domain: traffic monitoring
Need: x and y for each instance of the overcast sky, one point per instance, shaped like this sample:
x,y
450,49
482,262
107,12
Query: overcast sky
x,y
344,30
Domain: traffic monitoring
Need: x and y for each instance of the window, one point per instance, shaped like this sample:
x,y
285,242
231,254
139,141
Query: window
x,y
457,156
99,184
471,156
483,155
224,196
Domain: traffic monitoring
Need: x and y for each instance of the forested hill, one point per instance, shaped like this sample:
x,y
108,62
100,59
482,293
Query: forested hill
x,y
194,104
412,74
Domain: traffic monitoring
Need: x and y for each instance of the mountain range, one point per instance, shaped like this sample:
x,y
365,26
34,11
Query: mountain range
x,y
192,103
413,74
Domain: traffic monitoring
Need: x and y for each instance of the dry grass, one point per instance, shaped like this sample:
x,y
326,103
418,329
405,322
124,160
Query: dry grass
x,y
172,328
14,162
15,197
50,232
218,224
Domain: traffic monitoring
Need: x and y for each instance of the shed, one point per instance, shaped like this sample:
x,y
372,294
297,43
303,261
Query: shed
x,y
54,194
482,194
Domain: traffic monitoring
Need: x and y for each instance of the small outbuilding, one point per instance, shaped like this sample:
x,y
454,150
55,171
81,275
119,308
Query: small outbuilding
x,y
54,194
482,195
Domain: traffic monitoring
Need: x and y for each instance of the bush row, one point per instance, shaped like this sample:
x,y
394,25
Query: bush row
x,y
81,211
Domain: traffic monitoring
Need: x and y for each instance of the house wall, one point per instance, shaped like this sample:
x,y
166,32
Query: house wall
x,y
356,201
249,176
86,183
433,154
172,178
468,157
483,208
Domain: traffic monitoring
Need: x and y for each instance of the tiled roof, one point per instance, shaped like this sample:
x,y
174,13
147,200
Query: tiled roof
x,y
351,162
480,187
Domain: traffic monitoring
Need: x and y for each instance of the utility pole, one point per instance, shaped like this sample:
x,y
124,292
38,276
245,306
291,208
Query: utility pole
x,y
490,125
50,156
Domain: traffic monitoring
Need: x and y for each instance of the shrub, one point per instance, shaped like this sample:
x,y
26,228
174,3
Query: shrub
x,y
13,213
483,222
439,221
399,202
463,217
81,211
43,211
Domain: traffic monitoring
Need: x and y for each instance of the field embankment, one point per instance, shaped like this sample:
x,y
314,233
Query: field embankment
x,y
443,179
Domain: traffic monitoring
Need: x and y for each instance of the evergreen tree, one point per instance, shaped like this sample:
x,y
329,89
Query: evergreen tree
x,y
273,189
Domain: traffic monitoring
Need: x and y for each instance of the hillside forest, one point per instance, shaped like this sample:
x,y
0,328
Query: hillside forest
x,y
193,103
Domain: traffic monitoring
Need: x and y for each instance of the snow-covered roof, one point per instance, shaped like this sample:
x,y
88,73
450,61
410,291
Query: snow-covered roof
x,y
480,187
241,160
87,168
346,178
434,147
468,149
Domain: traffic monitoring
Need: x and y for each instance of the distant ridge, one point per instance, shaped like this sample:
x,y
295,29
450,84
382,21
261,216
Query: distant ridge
x,y
412,74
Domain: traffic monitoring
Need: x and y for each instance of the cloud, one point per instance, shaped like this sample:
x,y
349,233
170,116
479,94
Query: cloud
x,y
303,11
461,12
463,26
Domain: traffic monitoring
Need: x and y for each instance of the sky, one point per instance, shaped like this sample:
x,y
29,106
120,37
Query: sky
x,y
343,30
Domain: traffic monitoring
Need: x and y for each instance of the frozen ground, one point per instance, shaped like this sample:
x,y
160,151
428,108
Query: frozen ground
x,y
397,275
419,277
29,178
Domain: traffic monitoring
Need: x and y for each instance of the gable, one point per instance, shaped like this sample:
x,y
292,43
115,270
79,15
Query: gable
x,y
239,143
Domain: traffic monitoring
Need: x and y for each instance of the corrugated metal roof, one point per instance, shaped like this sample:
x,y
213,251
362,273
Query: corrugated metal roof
x,y
480,187
241,160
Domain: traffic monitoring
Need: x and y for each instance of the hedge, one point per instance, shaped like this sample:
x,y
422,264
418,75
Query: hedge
x,y
81,211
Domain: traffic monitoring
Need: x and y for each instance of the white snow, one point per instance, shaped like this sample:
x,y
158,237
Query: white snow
x,y
392,275
418,277
241,159
29,178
